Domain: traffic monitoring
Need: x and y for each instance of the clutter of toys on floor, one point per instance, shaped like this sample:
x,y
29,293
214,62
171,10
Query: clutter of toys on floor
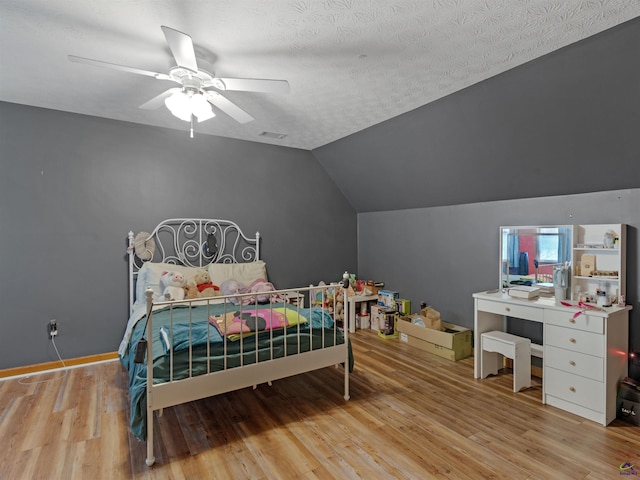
x,y
384,311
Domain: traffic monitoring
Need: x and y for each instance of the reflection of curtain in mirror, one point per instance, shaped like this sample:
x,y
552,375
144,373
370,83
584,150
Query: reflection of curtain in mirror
x,y
564,245
513,253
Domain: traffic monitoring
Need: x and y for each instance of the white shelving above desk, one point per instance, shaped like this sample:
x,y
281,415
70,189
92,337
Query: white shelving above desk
x,y
608,271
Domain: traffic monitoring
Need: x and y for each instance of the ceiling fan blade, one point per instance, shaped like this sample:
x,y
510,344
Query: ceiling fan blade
x,y
182,48
99,63
255,85
158,101
228,107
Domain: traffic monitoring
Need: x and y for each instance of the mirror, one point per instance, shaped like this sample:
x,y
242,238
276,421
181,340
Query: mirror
x,y
528,255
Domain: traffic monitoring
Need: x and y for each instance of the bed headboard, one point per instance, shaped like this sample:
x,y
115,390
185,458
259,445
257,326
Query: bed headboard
x,y
186,241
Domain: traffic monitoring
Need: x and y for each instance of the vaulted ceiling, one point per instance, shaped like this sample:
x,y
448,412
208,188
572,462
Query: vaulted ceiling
x,y
350,64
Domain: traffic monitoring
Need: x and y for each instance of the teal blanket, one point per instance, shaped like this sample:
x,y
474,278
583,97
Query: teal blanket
x,y
175,325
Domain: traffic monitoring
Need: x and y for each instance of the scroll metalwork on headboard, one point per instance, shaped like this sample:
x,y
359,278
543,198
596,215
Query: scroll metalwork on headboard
x,y
196,242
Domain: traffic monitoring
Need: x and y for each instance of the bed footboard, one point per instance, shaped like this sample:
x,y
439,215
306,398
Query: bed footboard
x,y
200,348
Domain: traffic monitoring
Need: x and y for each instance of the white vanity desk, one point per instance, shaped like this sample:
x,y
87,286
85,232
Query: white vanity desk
x,y
583,358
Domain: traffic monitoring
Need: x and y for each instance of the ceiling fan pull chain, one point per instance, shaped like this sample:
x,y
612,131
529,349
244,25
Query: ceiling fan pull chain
x,y
191,126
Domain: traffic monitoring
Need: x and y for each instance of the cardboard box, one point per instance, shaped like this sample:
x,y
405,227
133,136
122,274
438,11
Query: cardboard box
x,y
387,298
389,328
387,324
429,322
587,265
375,316
371,285
454,343
403,306
363,321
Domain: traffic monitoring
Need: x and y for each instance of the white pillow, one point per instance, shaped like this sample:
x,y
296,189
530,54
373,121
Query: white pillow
x,y
149,277
244,273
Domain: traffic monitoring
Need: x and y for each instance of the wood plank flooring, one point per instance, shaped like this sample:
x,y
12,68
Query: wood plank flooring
x,y
411,415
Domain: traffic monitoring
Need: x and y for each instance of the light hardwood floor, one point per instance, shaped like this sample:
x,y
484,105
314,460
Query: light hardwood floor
x,y
411,415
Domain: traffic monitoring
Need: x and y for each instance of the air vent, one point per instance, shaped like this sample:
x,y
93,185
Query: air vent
x,y
278,136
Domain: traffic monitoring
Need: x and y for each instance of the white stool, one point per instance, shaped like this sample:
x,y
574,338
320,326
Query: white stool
x,y
496,343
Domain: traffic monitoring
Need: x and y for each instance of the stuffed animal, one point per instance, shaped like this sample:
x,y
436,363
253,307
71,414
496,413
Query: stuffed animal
x,y
232,287
191,290
172,285
205,288
262,288
338,314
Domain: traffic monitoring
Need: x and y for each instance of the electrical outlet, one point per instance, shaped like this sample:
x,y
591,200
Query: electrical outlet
x,y
53,328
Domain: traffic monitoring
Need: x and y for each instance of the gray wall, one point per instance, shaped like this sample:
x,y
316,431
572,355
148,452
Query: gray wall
x,y
526,147
442,255
72,186
564,123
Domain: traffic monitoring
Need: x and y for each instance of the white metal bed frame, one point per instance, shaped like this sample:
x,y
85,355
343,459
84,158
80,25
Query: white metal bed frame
x,y
183,241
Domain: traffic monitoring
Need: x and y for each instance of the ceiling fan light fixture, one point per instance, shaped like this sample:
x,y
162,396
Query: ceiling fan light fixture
x,y
185,104
201,108
179,105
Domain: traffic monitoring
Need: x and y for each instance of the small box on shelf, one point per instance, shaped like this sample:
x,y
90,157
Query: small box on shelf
x,y
387,298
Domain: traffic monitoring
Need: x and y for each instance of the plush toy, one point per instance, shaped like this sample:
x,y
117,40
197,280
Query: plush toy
x,y
190,290
338,313
232,287
172,284
262,288
205,288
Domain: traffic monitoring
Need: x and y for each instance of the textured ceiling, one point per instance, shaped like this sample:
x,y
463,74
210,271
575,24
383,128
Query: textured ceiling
x,y
351,64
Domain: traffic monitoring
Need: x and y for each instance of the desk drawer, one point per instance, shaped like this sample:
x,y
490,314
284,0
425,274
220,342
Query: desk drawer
x,y
511,310
574,340
588,323
575,389
575,362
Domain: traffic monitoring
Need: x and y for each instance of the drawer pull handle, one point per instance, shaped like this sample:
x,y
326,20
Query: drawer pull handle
x,y
507,309
572,340
572,389
572,320
572,363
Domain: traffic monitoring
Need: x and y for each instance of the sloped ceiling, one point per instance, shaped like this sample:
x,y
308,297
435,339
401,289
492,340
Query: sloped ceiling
x,y
351,64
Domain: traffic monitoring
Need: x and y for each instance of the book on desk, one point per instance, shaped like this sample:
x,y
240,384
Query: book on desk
x,y
524,291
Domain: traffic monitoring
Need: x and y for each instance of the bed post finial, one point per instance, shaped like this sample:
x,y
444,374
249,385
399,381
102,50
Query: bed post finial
x,y
130,246
345,280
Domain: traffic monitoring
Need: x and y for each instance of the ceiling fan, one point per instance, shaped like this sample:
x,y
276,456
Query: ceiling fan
x,y
197,88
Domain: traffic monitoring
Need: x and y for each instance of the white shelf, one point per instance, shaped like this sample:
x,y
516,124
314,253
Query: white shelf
x,y
614,279
586,241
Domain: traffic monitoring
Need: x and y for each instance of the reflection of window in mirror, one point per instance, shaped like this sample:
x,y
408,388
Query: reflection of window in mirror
x,y
548,246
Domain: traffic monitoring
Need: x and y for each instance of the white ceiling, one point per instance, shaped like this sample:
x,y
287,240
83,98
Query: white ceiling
x,y
350,63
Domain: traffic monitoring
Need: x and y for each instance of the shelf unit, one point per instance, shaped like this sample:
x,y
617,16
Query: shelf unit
x,y
606,264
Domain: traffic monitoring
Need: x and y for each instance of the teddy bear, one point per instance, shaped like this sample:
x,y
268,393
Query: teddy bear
x,y
172,284
338,313
200,286
190,290
204,286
